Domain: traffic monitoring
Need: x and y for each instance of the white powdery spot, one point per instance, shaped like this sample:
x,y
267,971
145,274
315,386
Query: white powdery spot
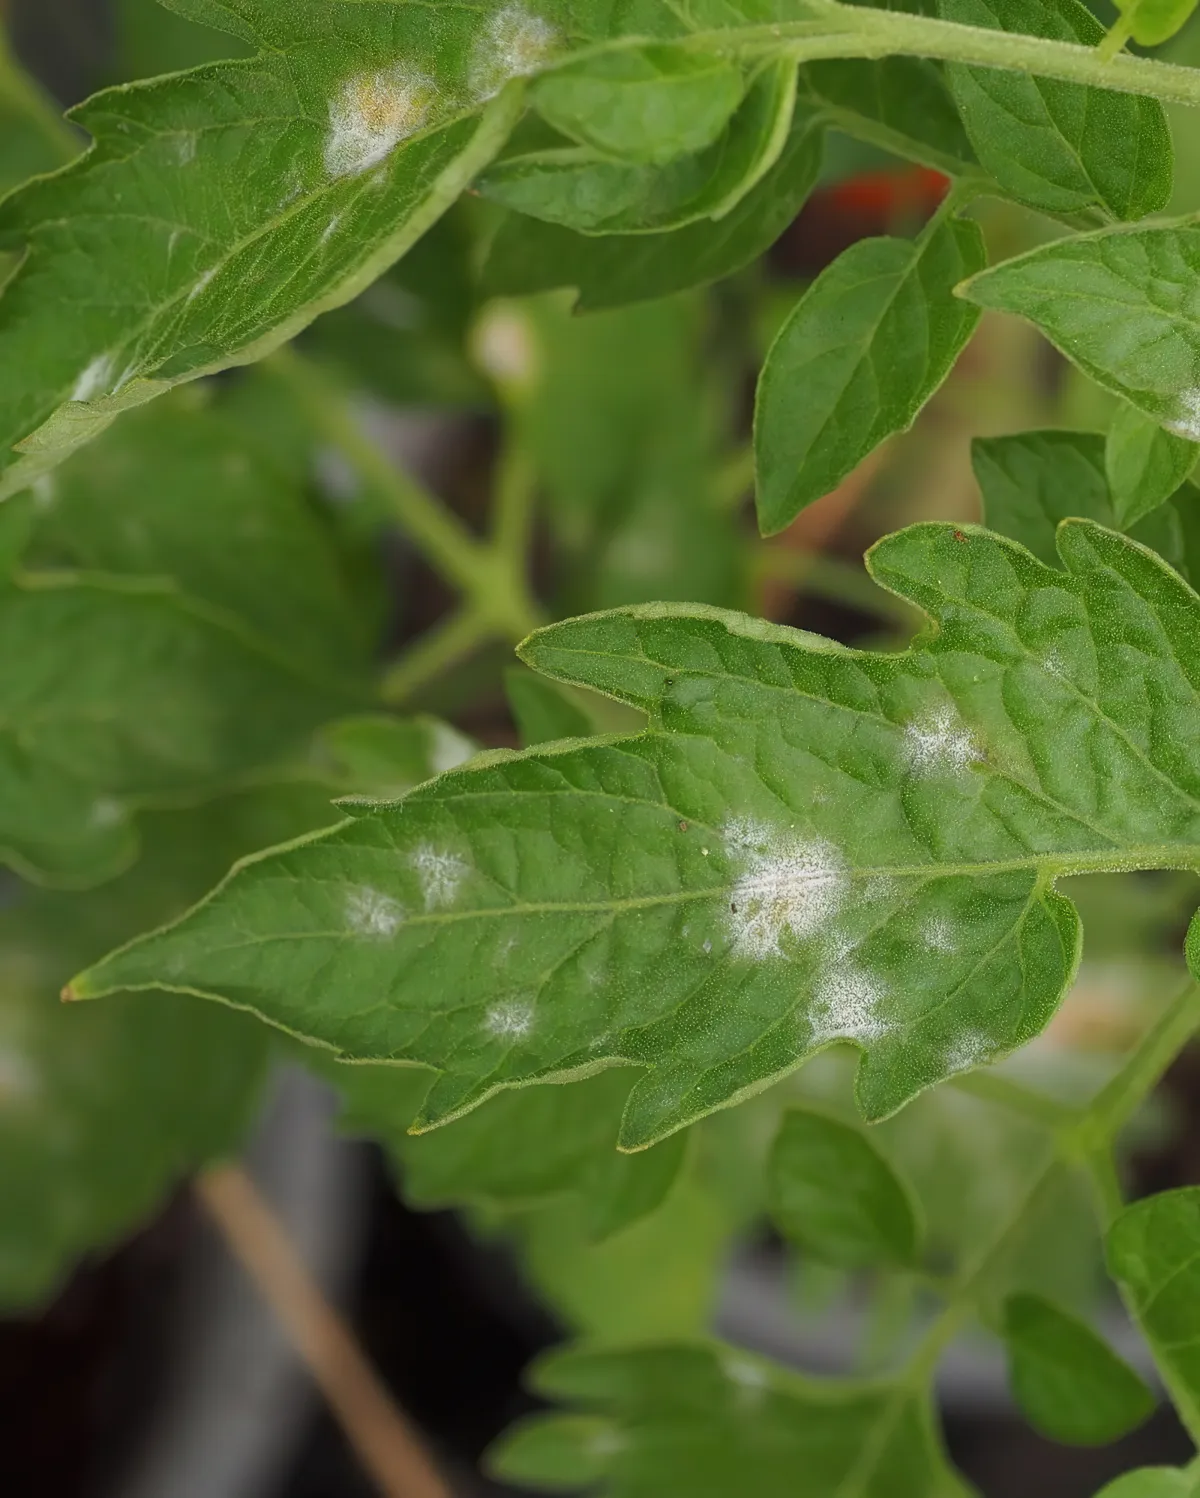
x,y
938,935
789,884
511,1021
1187,422
372,114
106,812
846,1007
199,285
440,874
331,228
94,380
447,748
371,913
185,149
939,744
20,1080
973,1048
45,492
752,1382
514,44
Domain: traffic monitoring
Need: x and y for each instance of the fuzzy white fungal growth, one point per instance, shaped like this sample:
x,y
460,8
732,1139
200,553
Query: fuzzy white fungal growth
x,y
789,884
447,748
845,1007
440,874
1187,422
372,114
939,744
972,1048
20,1081
514,44
511,1020
938,935
199,285
185,148
331,228
94,380
371,913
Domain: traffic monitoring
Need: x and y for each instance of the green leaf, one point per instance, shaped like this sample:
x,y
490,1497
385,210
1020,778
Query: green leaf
x,y
649,104
1145,464
1154,1254
831,1191
180,492
1152,1482
583,190
543,711
384,757
1119,303
676,1421
103,1109
1152,22
807,844
862,352
221,210
901,104
1032,481
611,270
1067,1380
1056,146
163,699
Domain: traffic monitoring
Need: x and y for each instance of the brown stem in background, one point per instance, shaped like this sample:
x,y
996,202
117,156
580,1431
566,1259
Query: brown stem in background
x,y
378,1432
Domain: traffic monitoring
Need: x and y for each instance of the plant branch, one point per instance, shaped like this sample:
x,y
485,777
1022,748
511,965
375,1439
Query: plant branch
x,y
382,1439
437,651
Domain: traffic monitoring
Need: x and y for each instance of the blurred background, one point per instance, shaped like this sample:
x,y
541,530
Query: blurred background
x,y
153,1371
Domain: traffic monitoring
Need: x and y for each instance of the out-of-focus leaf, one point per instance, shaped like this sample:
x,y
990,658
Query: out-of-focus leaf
x,y
542,710
1153,22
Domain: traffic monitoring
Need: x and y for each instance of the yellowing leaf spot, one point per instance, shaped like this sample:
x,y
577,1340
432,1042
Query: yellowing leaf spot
x,y
440,875
789,884
371,913
511,1020
371,115
514,44
939,744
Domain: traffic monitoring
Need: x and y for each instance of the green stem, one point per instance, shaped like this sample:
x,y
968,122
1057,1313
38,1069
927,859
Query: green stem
x,y
1115,37
838,30
437,651
24,96
992,1087
495,589
515,491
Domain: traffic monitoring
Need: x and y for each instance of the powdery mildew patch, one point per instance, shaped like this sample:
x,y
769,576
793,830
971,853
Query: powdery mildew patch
x,y
938,934
20,1081
371,114
939,744
1187,422
94,380
845,1006
440,874
789,884
512,1020
514,44
369,912
972,1048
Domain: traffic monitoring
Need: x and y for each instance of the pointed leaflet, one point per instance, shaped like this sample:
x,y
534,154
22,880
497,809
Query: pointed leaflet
x,y
865,348
221,210
831,1191
1120,303
1067,1380
1154,1255
807,844
1033,480
583,190
1145,464
1058,146
674,1421
612,270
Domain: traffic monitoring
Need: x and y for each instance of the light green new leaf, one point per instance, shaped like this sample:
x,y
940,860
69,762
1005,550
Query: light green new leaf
x,y
102,1110
1032,481
612,270
543,712
583,190
1067,1380
649,104
901,104
865,348
807,844
221,210
831,1191
1154,1254
1152,22
1122,304
1153,1482
685,1420
1145,464
1060,147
